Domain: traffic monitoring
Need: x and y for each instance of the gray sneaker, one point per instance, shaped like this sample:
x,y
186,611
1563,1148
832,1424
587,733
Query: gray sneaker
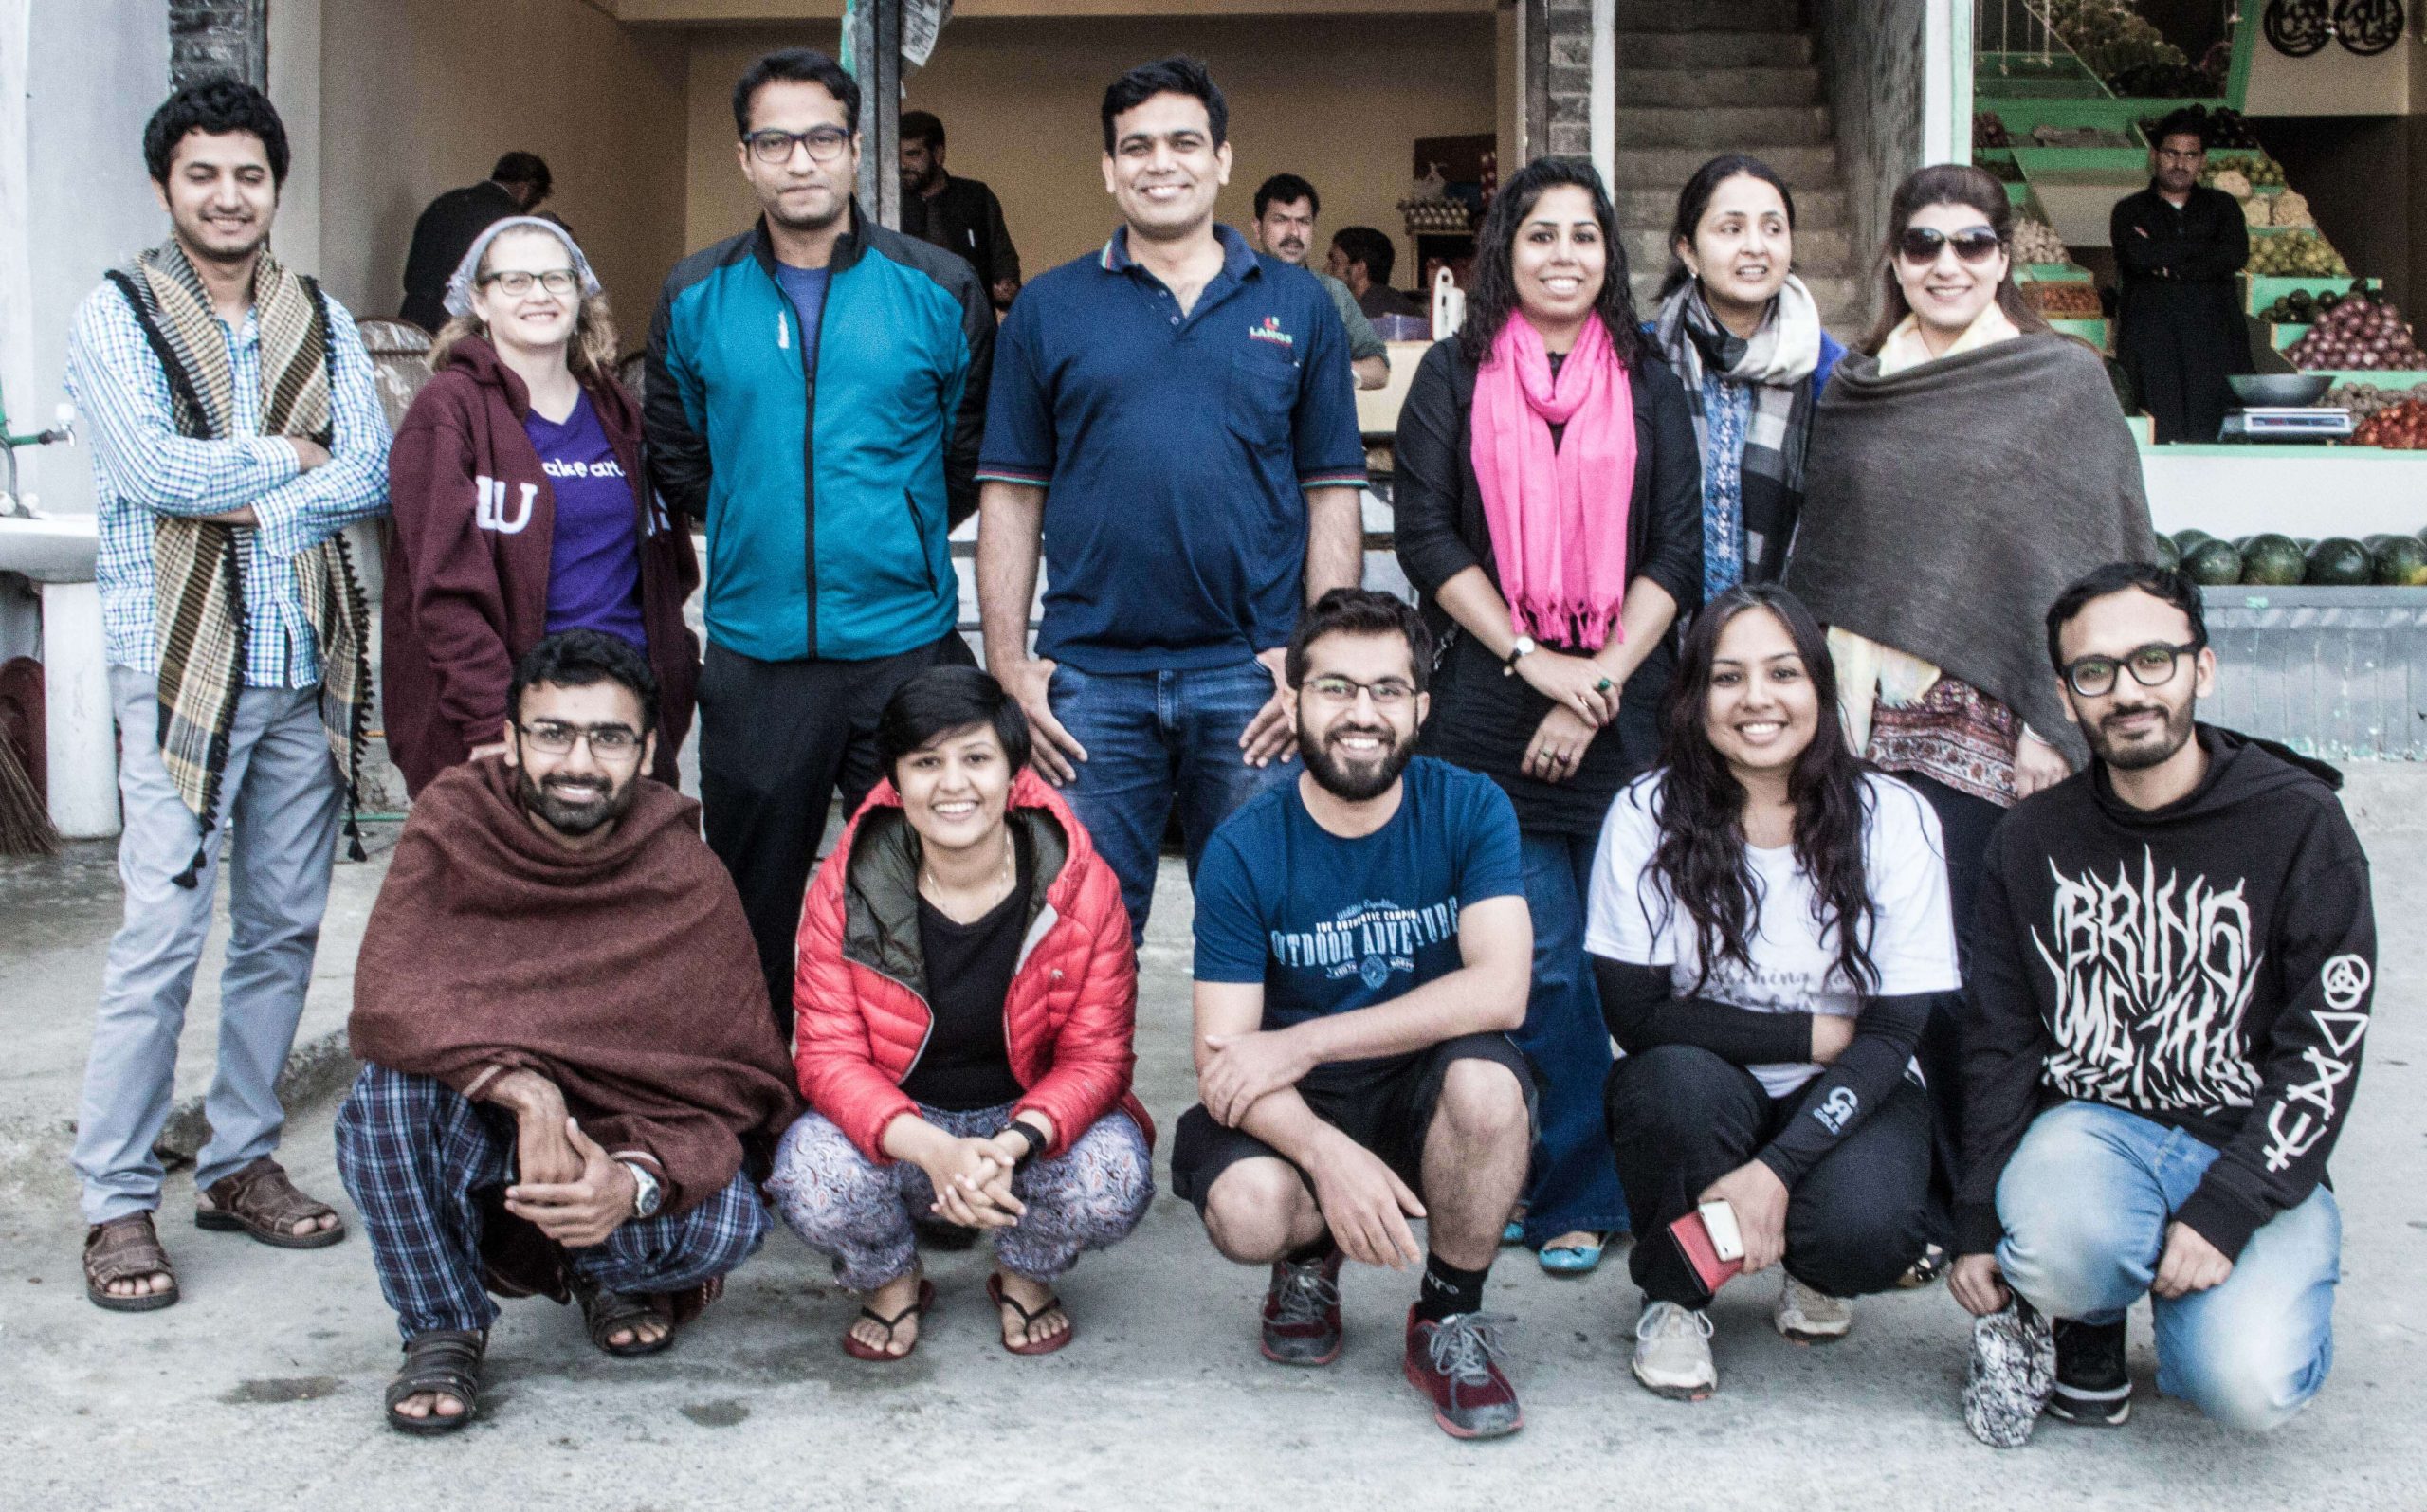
x,y
1673,1352
1302,1312
2012,1370
1810,1317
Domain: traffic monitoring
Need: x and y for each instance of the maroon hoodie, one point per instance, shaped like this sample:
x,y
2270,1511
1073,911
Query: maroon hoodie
x,y
468,582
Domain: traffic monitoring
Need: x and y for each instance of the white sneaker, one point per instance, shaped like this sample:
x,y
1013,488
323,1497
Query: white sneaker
x,y
1673,1352
1811,1316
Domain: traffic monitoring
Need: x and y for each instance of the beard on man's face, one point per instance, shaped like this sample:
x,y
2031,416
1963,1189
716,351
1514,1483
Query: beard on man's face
x,y
2150,745
1355,778
575,804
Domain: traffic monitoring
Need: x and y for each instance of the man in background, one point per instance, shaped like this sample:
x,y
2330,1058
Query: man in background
x,y
1286,208
1362,258
455,219
2180,331
959,214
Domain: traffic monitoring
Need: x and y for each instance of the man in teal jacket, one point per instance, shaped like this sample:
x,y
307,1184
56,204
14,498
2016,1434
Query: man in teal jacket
x,y
816,389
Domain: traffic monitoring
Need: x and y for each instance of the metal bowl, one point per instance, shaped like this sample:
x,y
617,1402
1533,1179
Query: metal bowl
x,y
2280,389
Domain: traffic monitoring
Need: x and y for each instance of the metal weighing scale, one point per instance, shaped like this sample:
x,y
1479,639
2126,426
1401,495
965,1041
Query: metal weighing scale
x,y
2288,423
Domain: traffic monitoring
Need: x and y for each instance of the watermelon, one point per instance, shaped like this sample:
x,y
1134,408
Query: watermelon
x,y
2185,539
2168,555
2272,562
2213,563
2339,561
2401,562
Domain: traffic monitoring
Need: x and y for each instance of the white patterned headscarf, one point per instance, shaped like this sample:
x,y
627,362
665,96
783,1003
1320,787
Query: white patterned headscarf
x,y
458,285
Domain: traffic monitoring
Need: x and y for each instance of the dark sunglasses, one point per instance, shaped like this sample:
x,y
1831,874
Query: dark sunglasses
x,y
1922,244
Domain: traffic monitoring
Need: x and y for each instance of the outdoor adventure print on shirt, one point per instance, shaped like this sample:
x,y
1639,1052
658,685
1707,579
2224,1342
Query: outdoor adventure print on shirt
x,y
1371,940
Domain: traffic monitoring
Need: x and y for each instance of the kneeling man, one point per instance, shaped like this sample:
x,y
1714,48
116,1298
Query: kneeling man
x,y
2175,954
1362,946
568,1046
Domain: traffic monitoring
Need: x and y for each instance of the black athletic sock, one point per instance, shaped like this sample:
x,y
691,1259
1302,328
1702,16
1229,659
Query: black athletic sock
x,y
1321,1247
1448,1291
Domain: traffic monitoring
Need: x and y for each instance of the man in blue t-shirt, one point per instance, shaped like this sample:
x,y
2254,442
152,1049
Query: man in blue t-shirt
x,y
1173,422
1362,947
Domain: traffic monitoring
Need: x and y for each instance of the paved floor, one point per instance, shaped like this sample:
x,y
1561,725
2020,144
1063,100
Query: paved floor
x,y
262,1389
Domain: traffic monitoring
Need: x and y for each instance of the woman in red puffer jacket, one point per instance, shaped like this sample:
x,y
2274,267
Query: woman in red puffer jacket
x,y
964,1001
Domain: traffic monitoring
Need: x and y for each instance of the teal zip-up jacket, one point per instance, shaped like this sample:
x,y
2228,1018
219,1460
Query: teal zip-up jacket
x,y
828,480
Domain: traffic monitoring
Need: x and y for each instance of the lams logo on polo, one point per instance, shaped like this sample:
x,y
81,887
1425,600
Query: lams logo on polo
x,y
1270,331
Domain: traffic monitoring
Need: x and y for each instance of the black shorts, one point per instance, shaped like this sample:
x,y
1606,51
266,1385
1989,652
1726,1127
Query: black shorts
x,y
1387,1109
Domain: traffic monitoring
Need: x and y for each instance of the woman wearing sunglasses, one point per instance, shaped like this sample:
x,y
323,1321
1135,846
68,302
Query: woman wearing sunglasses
x,y
1744,334
1967,464
521,508
1548,507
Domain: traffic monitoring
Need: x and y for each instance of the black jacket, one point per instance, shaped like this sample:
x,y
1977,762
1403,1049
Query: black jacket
x,y
445,231
1481,719
966,219
2207,965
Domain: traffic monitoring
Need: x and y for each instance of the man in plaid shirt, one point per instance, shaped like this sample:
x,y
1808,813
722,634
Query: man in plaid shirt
x,y
217,155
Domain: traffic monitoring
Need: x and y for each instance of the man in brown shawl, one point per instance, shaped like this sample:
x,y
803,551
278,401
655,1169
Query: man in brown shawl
x,y
570,1057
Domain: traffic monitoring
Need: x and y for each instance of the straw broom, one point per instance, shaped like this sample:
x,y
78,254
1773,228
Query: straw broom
x,y
26,828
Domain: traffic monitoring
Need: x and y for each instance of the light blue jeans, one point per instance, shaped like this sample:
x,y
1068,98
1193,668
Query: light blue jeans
x,y
2086,1201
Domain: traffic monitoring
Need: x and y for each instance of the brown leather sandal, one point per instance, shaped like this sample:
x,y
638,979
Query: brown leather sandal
x,y
259,1200
126,1248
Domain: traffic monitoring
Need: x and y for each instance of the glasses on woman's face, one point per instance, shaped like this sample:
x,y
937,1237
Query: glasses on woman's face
x,y
1921,245
515,283
773,147
2152,667
608,742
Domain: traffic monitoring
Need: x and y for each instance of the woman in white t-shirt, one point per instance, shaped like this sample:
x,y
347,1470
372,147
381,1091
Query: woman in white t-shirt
x,y
1768,1048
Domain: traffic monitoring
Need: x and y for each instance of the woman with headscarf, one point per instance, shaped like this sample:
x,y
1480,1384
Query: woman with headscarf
x,y
521,507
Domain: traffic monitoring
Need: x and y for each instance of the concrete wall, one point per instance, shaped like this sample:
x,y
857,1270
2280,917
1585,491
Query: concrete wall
x,y
1871,56
420,96
1339,100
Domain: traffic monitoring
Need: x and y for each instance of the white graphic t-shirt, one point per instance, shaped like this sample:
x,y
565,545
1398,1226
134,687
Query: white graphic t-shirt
x,y
1794,966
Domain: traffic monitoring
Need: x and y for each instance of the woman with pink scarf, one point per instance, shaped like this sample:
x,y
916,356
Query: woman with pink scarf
x,y
1548,499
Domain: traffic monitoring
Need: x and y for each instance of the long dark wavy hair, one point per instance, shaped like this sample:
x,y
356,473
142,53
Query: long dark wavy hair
x,y
1947,184
1695,198
1701,860
1492,302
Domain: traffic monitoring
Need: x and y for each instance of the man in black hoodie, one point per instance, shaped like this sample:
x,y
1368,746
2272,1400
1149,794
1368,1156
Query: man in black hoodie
x,y
2162,1032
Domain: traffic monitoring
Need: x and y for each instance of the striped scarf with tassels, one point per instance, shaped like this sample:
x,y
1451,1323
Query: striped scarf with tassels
x,y
199,599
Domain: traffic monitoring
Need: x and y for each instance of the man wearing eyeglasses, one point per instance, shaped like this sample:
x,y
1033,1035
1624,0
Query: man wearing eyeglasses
x,y
2180,331
1362,950
816,389
567,1057
2172,981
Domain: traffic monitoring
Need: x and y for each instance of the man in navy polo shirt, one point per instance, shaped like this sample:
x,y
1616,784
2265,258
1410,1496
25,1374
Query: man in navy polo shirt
x,y
1174,415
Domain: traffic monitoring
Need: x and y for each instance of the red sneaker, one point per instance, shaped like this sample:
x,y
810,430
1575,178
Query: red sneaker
x,y
1450,1362
1302,1312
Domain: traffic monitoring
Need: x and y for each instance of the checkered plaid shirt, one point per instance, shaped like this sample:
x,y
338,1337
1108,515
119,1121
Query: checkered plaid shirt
x,y
142,468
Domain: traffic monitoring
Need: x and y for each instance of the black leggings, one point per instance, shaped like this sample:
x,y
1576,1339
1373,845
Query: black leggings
x,y
1681,1118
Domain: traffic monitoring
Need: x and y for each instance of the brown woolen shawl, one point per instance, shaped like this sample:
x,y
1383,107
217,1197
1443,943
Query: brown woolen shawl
x,y
624,973
1945,508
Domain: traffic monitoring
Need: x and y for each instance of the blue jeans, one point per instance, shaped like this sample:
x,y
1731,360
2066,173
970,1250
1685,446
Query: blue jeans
x,y
1155,739
2086,1201
1574,1183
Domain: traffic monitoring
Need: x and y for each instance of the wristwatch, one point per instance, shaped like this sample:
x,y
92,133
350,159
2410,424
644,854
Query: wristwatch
x,y
1035,1137
646,1193
1523,646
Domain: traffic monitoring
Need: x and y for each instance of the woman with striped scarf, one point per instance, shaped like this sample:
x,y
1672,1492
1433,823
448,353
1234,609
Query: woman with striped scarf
x,y
1743,335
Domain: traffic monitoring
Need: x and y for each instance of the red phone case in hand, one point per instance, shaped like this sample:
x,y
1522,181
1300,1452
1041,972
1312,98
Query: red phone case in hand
x,y
1702,1257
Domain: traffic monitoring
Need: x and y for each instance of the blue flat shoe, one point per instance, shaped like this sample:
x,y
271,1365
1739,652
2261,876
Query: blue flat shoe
x,y
1570,1260
1513,1233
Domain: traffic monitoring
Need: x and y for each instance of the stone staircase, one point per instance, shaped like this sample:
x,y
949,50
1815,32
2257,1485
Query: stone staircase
x,y
1697,78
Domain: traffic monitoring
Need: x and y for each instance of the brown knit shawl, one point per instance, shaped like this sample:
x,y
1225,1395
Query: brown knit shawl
x,y
624,974
1947,507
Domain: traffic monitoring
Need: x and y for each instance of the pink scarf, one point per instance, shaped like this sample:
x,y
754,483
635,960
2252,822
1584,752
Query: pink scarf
x,y
1557,515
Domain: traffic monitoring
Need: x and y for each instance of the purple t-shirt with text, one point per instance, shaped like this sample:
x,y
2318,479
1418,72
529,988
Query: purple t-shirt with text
x,y
594,561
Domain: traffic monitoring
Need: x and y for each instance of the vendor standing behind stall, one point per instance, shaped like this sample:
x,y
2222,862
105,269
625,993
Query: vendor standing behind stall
x,y
2180,332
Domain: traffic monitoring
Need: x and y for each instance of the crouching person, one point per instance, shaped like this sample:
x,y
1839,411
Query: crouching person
x,y
568,1045
2164,1035
965,1000
1362,950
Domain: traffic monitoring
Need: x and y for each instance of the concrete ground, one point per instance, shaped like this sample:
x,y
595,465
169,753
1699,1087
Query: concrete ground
x,y
262,1387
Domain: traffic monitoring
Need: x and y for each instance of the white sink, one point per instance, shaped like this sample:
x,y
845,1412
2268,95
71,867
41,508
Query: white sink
x,y
49,548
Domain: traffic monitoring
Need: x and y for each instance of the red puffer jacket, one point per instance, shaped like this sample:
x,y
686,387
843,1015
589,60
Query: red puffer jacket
x,y
860,1013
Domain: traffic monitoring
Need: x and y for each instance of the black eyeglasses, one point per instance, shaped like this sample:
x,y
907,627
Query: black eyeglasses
x,y
824,144
608,742
517,282
1922,244
2153,665
1387,694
